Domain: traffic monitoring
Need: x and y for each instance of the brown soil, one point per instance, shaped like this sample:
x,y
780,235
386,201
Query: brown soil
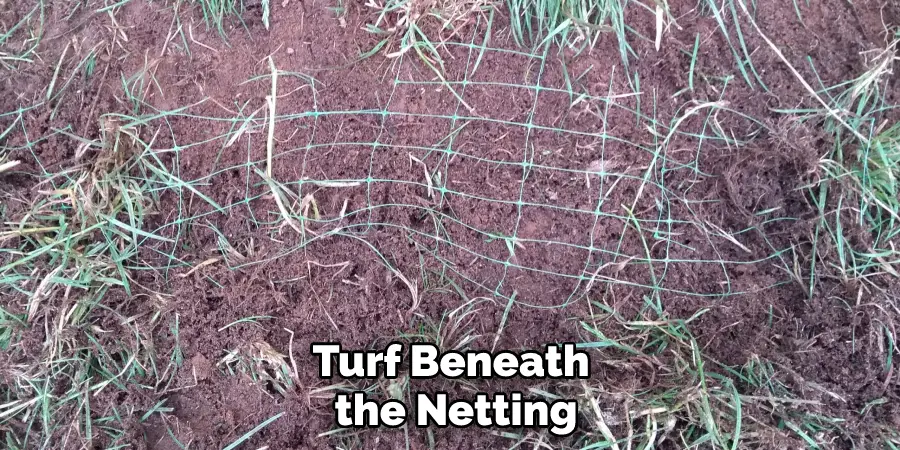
x,y
335,287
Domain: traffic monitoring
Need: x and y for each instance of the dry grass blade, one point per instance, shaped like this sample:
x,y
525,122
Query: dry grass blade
x,y
203,264
598,420
413,289
271,99
40,294
276,194
427,175
660,15
9,165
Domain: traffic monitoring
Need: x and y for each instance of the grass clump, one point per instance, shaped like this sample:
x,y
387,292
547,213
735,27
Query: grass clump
x,y
725,12
878,165
692,400
865,162
881,169
263,364
19,40
405,25
217,13
76,323
571,23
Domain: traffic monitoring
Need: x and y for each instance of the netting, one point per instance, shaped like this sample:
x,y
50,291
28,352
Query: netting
x,y
539,192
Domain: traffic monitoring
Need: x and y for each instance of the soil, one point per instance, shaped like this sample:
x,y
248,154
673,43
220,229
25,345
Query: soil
x,y
336,284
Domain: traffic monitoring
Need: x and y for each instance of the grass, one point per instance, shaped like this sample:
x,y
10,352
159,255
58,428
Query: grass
x,y
216,13
250,433
714,405
19,42
261,363
65,257
859,189
68,257
454,330
876,167
423,27
721,12
573,24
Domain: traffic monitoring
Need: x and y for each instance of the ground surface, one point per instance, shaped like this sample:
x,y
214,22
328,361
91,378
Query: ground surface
x,y
546,190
